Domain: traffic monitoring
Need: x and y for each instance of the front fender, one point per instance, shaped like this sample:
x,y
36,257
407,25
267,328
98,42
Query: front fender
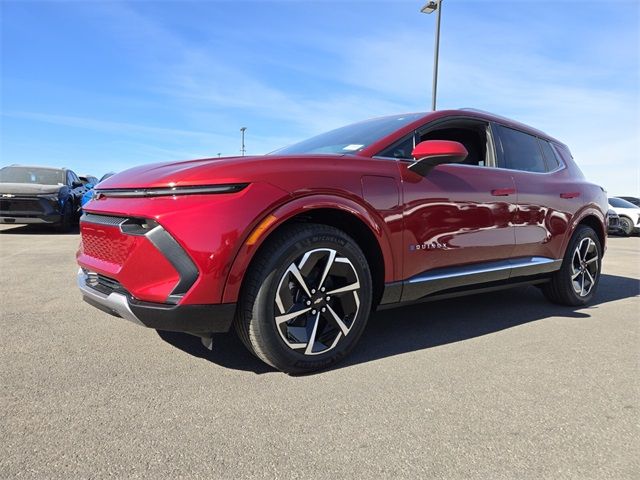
x,y
273,220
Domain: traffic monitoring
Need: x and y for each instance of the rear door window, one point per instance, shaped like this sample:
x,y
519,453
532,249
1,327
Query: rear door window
x,y
519,151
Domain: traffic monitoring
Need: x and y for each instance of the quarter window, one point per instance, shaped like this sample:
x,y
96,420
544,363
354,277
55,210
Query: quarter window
x,y
520,151
401,149
549,155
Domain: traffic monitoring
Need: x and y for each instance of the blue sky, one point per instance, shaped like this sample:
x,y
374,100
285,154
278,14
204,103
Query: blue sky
x,y
99,86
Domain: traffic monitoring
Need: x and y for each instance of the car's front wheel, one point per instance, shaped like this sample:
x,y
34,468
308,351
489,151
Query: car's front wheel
x,y
576,282
306,298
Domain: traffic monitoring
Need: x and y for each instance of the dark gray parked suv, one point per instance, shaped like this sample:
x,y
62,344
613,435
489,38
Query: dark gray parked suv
x,y
39,195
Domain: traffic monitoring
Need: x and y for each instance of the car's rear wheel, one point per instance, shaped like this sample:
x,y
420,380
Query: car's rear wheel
x,y
306,298
576,282
626,226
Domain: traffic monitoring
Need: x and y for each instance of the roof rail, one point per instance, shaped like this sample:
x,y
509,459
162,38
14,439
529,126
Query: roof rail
x,y
478,110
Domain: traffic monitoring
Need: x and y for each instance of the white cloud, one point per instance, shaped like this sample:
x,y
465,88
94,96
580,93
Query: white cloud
x,y
108,126
574,101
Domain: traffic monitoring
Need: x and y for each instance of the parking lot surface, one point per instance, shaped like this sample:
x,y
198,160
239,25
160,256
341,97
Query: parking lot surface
x,y
501,385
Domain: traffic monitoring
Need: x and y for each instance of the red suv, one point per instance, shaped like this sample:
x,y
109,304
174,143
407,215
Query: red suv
x,y
298,247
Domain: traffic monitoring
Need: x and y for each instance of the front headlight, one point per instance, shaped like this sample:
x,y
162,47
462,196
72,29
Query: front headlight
x,y
170,191
52,198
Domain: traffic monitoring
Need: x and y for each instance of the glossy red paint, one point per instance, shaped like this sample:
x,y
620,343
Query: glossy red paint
x,y
132,260
211,229
455,215
439,148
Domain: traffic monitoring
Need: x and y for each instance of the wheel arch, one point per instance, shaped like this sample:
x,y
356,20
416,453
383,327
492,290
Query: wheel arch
x,y
352,218
591,219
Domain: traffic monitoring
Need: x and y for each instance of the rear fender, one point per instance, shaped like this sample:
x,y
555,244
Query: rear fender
x,y
586,211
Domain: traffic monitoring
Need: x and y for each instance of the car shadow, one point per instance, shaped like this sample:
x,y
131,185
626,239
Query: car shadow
x,y
36,230
425,325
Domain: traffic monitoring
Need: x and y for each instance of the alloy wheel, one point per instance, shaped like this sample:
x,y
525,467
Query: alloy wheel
x,y
584,267
317,301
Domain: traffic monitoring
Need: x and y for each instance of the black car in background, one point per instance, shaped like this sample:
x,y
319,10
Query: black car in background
x,y
40,195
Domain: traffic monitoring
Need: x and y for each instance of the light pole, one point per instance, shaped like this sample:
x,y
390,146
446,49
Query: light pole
x,y
431,7
242,149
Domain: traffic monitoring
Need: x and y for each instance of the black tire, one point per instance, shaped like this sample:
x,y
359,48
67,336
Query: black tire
x,y
576,282
272,289
66,219
626,226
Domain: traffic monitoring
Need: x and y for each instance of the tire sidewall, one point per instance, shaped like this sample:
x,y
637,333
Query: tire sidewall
x,y
278,352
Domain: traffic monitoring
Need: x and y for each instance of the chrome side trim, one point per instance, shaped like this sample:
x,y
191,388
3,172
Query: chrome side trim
x,y
454,272
170,191
114,303
533,266
447,278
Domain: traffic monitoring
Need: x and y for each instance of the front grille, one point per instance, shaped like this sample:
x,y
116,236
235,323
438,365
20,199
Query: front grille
x,y
125,242
102,219
21,205
104,284
111,250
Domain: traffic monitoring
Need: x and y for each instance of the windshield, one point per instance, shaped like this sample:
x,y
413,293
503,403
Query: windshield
x,y
43,176
619,203
352,138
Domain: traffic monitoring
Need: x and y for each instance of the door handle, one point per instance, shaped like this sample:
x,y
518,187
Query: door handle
x,y
503,192
570,195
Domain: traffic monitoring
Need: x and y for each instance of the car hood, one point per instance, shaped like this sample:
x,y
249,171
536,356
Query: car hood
x,y
212,171
28,188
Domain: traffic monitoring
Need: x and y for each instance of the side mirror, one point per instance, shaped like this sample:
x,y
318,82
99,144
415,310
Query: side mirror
x,y
430,153
76,184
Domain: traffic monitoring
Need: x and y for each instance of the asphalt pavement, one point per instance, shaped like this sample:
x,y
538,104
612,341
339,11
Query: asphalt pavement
x,y
496,386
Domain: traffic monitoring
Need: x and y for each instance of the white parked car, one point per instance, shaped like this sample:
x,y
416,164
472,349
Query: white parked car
x,y
629,215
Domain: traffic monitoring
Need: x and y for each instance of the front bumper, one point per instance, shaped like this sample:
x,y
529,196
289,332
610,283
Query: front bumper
x,y
613,224
42,220
194,319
